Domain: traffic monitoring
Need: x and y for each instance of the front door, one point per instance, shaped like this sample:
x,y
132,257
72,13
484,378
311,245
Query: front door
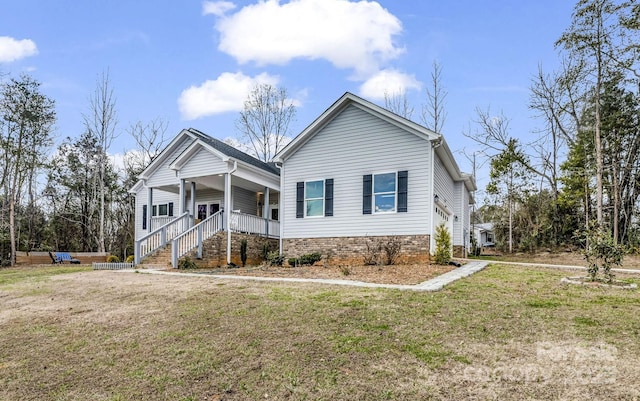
x,y
202,212
213,208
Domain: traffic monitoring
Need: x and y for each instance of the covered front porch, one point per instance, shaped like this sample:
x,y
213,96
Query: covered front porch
x,y
211,192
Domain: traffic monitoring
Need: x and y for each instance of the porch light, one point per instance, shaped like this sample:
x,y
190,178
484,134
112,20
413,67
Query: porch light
x,y
436,198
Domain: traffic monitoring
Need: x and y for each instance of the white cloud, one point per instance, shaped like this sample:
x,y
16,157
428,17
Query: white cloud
x,y
354,35
217,8
226,93
12,49
390,81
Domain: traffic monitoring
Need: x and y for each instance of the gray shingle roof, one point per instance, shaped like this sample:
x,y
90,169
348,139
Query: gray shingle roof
x,y
235,153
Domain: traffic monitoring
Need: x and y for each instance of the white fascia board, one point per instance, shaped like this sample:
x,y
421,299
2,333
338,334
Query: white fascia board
x,y
257,175
166,152
136,187
192,150
337,107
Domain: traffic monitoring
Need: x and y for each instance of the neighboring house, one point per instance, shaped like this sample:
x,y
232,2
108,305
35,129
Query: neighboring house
x,y
484,235
358,174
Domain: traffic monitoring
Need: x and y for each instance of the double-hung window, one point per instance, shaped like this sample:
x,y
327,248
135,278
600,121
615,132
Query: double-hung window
x,y
384,192
314,198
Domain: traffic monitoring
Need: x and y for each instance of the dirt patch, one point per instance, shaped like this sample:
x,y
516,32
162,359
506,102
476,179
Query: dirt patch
x,y
395,274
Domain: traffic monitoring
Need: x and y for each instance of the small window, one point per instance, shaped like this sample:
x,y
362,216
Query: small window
x,y
163,210
314,198
384,193
154,211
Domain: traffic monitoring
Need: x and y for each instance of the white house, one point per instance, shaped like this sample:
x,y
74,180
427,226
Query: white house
x,y
358,173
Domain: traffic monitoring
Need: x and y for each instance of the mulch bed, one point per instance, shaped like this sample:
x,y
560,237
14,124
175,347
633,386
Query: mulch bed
x,y
394,274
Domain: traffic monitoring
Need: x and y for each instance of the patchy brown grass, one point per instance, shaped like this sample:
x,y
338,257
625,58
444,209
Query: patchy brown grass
x,y
506,333
630,261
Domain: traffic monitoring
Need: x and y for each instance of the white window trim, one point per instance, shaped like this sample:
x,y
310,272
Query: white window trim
x,y
373,194
306,199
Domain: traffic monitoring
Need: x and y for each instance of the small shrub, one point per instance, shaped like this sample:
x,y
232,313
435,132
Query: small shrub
x,y
243,251
113,259
130,259
391,249
275,259
293,262
443,245
602,252
265,250
345,270
186,263
310,258
371,253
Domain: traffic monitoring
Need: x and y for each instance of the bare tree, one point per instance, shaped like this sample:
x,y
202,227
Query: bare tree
x,y
433,113
150,140
101,122
397,103
264,122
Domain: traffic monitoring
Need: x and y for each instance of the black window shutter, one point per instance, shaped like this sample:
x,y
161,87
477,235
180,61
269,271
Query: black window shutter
x,y
402,190
170,209
328,197
300,200
144,217
367,190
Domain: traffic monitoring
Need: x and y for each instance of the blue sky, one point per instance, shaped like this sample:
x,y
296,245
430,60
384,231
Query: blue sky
x,y
192,63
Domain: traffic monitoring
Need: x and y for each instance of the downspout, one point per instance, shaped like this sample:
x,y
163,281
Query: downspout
x,y
435,143
227,206
281,196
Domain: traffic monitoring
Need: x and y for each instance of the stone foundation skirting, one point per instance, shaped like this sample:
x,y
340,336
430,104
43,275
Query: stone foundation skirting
x,y
459,251
414,249
214,250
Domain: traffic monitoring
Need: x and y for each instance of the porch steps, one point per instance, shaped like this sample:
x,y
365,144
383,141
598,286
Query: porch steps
x,y
161,258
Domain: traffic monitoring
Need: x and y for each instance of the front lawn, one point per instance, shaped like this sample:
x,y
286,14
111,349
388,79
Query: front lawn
x,y
504,333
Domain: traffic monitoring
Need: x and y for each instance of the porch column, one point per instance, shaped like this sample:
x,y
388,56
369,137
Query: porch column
x,y
149,208
183,198
228,208
193,203
266,211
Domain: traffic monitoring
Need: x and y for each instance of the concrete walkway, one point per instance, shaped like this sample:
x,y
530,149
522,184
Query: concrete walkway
x,y
434,284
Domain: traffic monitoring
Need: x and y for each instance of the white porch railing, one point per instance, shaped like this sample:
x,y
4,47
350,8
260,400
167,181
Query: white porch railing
x,y
239,222
195,236
248,223
159,237
159,221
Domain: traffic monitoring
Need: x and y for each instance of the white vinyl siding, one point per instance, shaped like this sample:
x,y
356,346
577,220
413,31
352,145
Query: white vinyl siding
x,y
443,185
163,175
356,143
458,226
159,198
203,163
244,200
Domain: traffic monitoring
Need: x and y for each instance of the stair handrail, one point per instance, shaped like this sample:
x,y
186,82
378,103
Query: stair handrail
x,y
194,237
165,235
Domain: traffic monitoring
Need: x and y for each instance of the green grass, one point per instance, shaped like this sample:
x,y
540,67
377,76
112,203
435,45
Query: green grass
x,y
100,336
